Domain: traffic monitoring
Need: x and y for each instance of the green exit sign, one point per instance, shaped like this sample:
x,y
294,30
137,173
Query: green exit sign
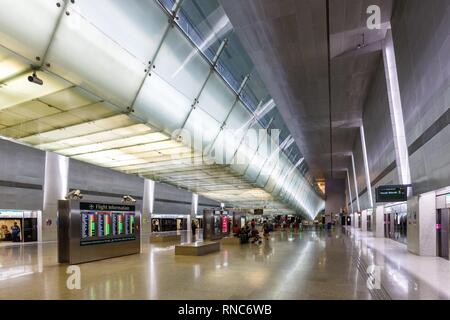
x,y
391,193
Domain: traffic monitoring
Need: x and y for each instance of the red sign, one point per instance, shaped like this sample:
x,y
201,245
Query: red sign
x,y
224,224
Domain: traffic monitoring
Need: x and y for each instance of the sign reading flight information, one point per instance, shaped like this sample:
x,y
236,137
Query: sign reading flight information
x,y
391,193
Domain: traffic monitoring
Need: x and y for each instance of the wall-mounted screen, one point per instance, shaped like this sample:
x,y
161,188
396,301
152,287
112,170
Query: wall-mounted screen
x,y
111,223
391,194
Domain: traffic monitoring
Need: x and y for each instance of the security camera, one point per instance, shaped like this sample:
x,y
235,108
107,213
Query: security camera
x,y
128,199
74,195
34,78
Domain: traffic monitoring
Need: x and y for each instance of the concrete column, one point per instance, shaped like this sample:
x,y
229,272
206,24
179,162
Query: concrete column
x,y
422,224
364,220
396,110
55,188
378,222
194,205
194,209
366,165
350,192
148,201
355,219
356,184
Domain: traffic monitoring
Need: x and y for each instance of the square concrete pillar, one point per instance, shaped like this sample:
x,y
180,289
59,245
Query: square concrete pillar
x,y
422,224
378,222
364,220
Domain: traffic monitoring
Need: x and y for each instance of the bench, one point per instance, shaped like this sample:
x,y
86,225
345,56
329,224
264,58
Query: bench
x,y
197,248
231,241
168,238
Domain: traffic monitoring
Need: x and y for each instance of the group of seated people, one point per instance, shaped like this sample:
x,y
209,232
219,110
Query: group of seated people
x,y
249,231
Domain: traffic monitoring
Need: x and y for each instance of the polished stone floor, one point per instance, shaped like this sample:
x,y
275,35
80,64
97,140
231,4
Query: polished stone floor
x,y
307,265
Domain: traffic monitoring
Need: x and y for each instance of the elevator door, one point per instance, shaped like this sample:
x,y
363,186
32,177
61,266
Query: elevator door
x,y
442,232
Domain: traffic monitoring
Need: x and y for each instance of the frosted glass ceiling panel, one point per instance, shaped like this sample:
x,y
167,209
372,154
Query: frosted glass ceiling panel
x,y
162,105
59,120
25,112
136,25
70,98
152,147
26,26
18,89
75,130
85,56
10,66
180,64
217,98
142,139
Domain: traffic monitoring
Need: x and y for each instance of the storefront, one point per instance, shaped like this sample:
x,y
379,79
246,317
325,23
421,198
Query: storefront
x,y
198,221
19,225
165,222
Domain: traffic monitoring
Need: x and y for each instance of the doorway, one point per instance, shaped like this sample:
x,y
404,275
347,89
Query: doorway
x,y
19,226
442,232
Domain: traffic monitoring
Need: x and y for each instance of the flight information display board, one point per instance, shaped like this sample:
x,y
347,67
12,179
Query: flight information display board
x,y
104,226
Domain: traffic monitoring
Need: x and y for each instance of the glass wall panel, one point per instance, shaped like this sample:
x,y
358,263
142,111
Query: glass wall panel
x,y
136,25
26,26
85,56
162,105
217,99
201,124
180,64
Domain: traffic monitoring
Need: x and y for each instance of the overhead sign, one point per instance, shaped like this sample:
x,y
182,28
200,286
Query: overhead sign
x,y
105,207
392,193
258,211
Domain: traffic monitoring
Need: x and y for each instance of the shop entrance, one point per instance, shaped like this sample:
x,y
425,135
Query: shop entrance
x,y
18,226
442,233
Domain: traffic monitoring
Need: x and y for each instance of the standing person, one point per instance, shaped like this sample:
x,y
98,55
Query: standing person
x,y
266,230
194,229
15,231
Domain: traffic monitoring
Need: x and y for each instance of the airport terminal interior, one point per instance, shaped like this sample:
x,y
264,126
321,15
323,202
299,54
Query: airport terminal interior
x,y
224,149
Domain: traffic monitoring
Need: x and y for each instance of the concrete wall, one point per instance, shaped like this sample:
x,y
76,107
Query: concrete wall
x,y
102,184
21,176
205,203
335,197
171,200
422,45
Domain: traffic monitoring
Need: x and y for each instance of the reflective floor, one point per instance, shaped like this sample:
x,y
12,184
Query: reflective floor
x,y
307,265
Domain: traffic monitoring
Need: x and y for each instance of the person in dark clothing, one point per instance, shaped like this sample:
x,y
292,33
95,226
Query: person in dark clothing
x,y
194,229
15,231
